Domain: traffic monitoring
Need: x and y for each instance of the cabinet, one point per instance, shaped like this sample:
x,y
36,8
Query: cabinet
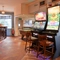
x,y
33,7
43,8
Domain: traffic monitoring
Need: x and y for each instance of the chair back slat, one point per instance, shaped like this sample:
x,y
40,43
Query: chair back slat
x,y
42,37
28,35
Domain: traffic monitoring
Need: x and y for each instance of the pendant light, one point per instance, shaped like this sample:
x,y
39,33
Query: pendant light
x,y
3,12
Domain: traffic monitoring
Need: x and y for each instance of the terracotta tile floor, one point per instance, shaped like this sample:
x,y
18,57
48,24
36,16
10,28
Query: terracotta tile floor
x,y
12,48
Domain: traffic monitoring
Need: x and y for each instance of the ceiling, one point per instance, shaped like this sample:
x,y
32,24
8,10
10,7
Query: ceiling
x,y
10,4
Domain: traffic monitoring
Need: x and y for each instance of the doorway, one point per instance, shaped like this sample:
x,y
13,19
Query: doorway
x,y
6,20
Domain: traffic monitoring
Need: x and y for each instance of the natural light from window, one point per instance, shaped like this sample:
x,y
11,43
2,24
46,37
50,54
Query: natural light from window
x,y
6,20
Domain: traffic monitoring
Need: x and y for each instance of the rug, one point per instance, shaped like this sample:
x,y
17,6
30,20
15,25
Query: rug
x,y
32,56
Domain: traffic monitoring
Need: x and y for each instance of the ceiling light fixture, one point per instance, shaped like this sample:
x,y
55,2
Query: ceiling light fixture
x,y
3,12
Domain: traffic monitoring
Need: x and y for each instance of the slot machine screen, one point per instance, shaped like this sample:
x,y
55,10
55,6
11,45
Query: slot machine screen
x,y
40,16
53,18
39,25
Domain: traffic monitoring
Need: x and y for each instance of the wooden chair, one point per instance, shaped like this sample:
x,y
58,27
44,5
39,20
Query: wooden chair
x,y
45,44
22,34
40,47
29,41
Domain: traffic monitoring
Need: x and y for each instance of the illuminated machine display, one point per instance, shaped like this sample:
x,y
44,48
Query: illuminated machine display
x,y
39,25
53,18
40,16
40,21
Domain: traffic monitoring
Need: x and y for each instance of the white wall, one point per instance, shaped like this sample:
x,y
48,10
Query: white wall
x,y
17,10
16,26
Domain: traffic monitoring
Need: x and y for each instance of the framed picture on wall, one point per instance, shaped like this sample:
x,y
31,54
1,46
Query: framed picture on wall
x,y
28,23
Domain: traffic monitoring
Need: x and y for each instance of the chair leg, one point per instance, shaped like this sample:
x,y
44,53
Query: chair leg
x,y
52,51
37,54
29,47
26,45
38,50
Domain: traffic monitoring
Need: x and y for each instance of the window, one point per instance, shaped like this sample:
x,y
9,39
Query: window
x,y
6,20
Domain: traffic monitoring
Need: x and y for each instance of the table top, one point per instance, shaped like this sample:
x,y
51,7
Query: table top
x,y
26,30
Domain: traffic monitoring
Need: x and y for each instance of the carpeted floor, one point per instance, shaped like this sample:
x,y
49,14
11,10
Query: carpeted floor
x,y
32,56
